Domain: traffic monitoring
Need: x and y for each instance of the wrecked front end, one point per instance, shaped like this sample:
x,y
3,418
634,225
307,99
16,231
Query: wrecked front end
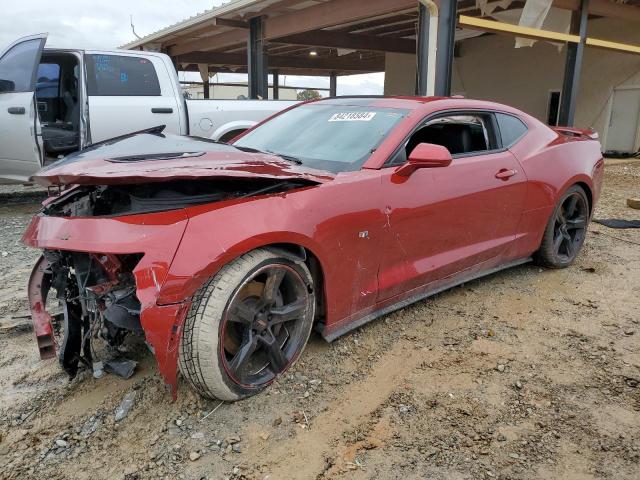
x,y
107,253
98,280
110,235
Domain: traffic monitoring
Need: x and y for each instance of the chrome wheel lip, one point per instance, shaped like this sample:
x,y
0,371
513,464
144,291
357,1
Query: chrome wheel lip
x,y
290,342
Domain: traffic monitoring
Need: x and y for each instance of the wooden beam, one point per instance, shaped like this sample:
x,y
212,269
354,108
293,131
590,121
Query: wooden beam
x,y
537,34
333,39
225,22
390,28
330,14
363,26
515,30
615,46
212,42
375,64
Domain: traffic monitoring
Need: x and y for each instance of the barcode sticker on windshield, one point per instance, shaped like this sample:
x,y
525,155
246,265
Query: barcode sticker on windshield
x,y
352,117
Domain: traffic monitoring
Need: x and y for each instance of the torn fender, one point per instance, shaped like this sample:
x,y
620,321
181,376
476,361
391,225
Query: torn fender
x,y
156,236
39,283
163,328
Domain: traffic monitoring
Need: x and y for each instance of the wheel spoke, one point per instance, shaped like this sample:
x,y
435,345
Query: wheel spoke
x,y
243,354
571,205
276,357
576,223
557,242
569,247
242,313
272,285
288,312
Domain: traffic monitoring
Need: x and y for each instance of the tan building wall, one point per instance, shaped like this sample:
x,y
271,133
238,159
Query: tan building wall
x,y
400,74
489,67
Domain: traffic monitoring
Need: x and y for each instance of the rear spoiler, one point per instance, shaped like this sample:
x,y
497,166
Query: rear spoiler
x,y
577,132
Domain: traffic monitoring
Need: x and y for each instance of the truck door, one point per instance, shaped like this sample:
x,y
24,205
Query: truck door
x,y
127,93
20,149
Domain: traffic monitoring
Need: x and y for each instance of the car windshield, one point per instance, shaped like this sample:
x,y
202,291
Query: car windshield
x,y
335,138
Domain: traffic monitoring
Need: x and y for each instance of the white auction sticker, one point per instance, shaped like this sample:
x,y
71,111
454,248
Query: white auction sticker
x,y
352,117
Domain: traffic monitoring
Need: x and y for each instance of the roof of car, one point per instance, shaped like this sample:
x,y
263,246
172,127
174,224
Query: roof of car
x,y
380,101
416,102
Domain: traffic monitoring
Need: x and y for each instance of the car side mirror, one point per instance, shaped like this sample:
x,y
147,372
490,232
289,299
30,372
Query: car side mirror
x,y
425,155
7,86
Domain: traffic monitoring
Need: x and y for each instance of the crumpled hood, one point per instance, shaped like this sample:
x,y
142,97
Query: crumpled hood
x,y
152,156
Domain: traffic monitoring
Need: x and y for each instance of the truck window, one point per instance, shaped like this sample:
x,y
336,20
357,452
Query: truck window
x,y
48,80
118,75
17,67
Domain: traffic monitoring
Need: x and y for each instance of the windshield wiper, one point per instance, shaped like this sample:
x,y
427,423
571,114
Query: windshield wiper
x,y
248,149
288,158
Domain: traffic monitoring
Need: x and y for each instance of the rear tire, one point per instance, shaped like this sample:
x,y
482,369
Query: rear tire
x,y
565,231
247,325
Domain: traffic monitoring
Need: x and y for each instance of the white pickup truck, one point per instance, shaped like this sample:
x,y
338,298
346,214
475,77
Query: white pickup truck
x,y
56,101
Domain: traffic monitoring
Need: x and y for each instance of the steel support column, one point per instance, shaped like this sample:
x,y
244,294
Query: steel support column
x,y
422,49
573,65
333,85
206,89
446,42
276,85
257,60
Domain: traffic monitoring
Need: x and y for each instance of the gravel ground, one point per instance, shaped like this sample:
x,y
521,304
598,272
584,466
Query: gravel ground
x,y
527,374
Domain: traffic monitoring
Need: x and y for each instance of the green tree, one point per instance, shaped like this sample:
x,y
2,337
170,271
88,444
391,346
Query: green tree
x,y
308,94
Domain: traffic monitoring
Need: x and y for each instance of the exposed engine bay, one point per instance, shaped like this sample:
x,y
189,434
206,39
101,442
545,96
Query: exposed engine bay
x,y
114,200
116,218
96,292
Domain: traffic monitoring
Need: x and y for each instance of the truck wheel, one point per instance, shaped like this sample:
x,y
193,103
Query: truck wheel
x,y
565,231
248,324
227,137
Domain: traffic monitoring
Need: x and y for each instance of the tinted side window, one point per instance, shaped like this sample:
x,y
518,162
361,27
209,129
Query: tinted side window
x,y
511,129
17,67
48,80
116,75
460,134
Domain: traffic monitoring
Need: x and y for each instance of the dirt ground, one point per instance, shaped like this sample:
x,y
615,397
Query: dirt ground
x,y
527,374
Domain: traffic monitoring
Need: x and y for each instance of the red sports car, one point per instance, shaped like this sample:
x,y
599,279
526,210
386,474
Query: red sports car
x,y
325,216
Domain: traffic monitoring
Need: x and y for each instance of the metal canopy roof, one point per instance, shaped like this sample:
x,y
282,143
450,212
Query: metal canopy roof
x,y
348,36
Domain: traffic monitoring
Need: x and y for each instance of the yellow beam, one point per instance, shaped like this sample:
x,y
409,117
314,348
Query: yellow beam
x,y
475,23
620,47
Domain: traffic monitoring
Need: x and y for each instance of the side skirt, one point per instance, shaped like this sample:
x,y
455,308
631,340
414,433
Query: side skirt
x,y
425,293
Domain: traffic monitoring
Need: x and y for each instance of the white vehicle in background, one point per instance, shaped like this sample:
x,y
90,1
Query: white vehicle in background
x,y
57,101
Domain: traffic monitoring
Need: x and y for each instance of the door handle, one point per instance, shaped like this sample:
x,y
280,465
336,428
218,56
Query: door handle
x,y
16,110
505,174
162,110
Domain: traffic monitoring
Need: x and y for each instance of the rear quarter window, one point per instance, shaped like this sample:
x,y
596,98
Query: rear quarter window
x,y
117,75
511,128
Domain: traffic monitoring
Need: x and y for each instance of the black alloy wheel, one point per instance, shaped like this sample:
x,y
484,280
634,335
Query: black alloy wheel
x,y
570,226
264,326
566,230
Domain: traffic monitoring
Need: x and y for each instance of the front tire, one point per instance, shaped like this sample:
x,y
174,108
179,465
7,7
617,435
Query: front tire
x,y
566,230
247,325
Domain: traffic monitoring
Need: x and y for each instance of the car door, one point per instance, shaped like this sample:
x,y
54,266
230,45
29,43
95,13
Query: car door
x,y
444,220
20,151
128,93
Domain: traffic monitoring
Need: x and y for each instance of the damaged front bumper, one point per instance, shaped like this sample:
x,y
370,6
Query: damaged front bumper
x,y
99,266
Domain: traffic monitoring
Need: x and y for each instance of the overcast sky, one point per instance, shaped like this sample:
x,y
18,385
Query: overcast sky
x,y
106,24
